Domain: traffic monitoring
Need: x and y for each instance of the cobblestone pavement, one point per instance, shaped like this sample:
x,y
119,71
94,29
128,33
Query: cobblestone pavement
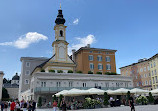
x,y
123,108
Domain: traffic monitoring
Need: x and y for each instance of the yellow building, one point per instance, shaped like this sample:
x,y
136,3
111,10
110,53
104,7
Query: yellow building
x,y
153,62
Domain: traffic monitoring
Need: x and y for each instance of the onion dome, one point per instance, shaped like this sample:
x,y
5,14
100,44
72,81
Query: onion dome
x,y
16,77
60,19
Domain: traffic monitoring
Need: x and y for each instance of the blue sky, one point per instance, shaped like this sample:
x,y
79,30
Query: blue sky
x,y
129,26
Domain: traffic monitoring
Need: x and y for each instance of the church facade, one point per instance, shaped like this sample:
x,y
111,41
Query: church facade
x,y
43,77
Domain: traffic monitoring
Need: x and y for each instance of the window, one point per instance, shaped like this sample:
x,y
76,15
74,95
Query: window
x,y
155,71
144,68
126,84
146,82
108,67
58,84
26,81
108,59
90,51
99,58
61,33
43,84
96,84
27,72
153,80
154,64
90,57
152,73
141,70
99,52
149,82
106,52
149,75
156,79
145,75
27,64
106,84
151,66
148,68
70,84
100,66
91,66
84,84
117,84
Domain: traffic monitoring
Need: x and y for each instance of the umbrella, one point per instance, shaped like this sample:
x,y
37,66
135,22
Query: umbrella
x,y
61,93
154,91
109,91
120,91
75,92
95,91
138,91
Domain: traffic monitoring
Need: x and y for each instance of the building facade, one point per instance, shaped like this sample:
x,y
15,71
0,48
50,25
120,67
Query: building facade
x,y
46,84
94,60
27,67
153,63
1,84
13,87
49,76
140,72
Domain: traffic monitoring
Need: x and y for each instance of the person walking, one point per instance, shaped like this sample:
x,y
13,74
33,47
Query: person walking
x,y
54,105
30,106
25,106
131,104
2,106
63,105
12,106
17,107
5,106
33,106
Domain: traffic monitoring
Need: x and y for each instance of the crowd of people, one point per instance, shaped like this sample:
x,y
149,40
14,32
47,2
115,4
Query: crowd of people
x,y
15,105
73,105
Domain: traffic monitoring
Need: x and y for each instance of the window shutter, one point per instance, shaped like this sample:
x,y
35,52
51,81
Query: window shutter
x,y
88,57
101,58
93,66
102,67
109,59
110,66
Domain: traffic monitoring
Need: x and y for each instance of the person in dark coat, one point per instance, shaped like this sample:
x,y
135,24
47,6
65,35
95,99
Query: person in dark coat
x,y
131,104
2,106
33,106
63,105
30,106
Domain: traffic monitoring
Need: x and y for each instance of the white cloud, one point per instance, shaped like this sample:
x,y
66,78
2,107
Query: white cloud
x,y
76,21
25,40
81,42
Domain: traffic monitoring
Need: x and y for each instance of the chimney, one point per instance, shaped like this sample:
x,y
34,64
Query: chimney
x,y
88,45
73,54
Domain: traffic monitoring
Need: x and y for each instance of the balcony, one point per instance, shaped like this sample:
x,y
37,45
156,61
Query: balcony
x,y
51,90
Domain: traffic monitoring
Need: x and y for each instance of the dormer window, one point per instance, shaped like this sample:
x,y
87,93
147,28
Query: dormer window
x,y
61,33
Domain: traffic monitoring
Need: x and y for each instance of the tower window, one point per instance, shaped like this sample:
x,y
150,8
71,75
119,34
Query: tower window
x,y
61,33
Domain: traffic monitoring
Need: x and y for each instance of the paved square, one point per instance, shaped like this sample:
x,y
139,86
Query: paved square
x,y
124,108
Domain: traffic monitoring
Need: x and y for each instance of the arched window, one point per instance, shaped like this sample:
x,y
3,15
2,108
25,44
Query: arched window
x,y
61,33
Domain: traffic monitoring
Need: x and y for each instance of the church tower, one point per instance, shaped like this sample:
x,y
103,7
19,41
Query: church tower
x,y
60,44
60,59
